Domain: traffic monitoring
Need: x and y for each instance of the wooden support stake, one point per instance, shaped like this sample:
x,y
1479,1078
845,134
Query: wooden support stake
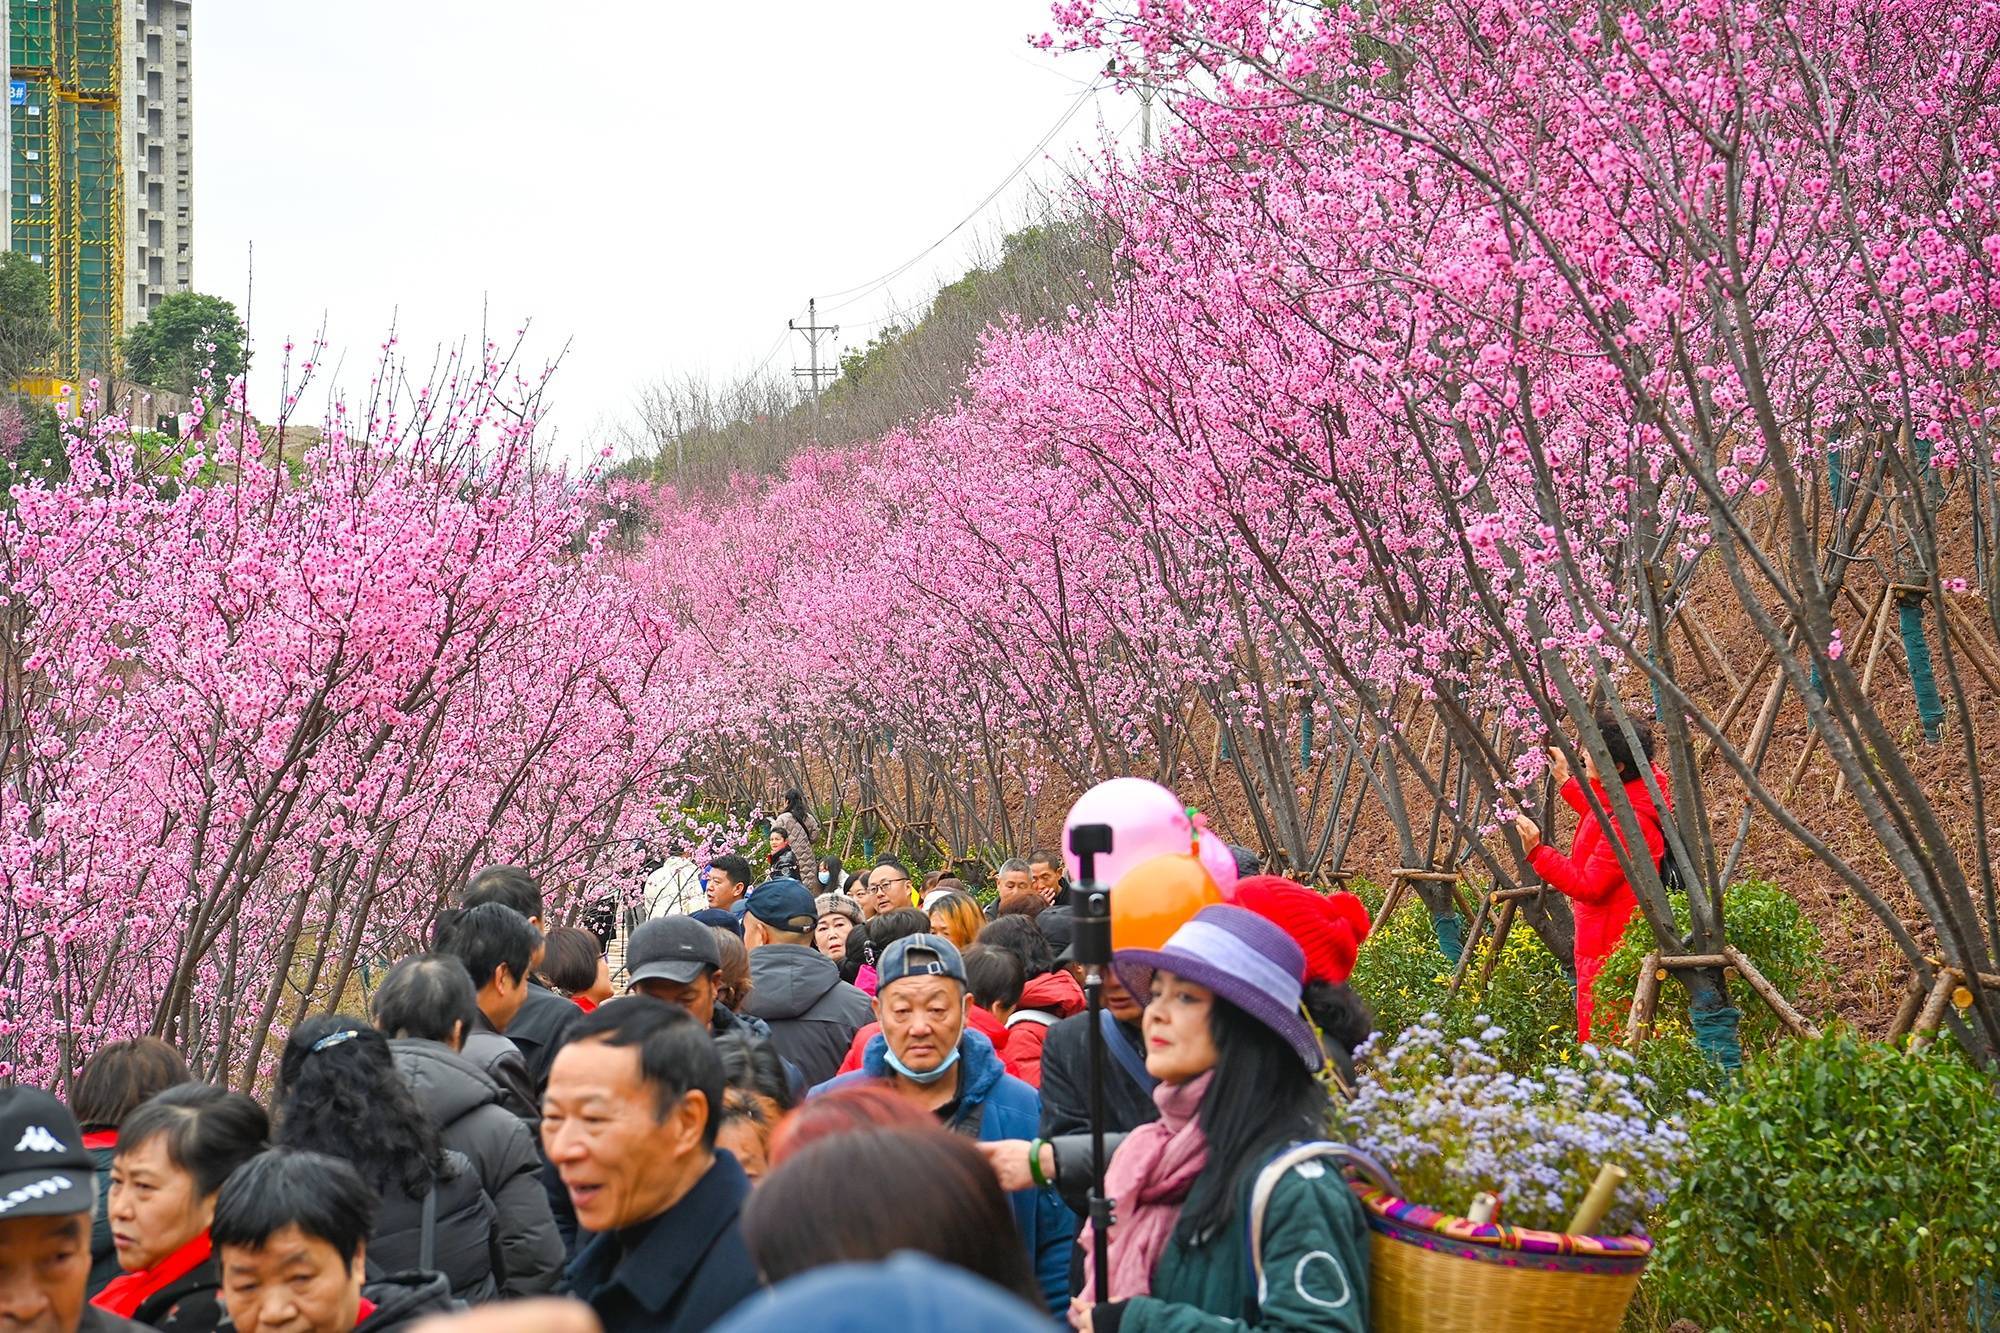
x,y
1715,652
1736,702
1645,998
1390,901
1506,924
1906,1012
1470,947
1972,643
1794,1021
1877,637
1932,1013
1693,960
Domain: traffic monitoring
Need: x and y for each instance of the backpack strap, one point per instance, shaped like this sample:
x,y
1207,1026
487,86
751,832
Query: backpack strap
x,y
1121,1049
1291,1159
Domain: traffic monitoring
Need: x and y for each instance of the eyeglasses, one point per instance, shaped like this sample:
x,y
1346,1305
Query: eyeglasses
x,y
887,884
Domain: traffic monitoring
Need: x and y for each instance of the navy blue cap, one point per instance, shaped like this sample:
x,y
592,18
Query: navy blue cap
x,y
784,904
719,918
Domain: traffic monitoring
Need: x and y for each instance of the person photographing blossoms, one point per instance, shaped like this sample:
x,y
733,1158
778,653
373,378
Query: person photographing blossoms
x,y
1590,877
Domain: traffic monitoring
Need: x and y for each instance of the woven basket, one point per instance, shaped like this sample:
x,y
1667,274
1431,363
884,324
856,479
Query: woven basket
x,y
1430,1272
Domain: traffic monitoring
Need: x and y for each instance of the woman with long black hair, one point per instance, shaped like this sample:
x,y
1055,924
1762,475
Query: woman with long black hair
x,y
1212,1233
339,1093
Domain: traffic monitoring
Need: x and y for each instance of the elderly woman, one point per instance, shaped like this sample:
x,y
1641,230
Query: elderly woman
x,y
174,1153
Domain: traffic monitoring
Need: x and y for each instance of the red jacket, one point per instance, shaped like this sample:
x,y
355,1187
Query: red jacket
x,y
1589,877
980,1020
1043,1001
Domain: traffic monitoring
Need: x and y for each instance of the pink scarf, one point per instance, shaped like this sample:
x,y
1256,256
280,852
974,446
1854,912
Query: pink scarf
x,y
1148,1181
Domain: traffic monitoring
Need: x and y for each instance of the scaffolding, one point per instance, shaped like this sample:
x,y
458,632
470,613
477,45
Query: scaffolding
x,y
68,177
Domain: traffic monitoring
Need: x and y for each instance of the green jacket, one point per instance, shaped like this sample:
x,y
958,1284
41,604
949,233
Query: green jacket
x,y
1315,1266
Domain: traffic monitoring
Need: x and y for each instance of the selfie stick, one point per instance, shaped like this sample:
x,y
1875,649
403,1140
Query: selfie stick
x,y
1090,910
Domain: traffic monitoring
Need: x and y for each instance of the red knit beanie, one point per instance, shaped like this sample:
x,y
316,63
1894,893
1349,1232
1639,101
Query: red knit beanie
x,y
1329,927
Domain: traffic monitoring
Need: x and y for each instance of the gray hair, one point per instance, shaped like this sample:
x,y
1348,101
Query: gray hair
x,y
1014,865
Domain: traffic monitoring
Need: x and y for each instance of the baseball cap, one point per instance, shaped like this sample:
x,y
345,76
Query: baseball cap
x,y
44,1170
719,918
784,904
919,956
671,948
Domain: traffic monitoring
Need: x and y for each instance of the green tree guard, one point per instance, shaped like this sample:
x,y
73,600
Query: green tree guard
x,y
1715,1022
1450,928
1306,737
1910,618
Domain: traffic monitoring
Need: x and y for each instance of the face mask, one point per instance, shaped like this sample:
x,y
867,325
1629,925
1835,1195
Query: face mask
x,y
824,877
912,1075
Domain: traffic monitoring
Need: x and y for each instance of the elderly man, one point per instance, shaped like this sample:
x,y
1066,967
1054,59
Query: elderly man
x,y
676,959
1013,878
48,1186
794,987
1045,870
926,1054
629,1122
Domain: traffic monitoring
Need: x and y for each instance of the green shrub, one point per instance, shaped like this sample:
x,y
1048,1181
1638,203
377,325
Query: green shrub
x,y
1761,920
1845,1186
1403,975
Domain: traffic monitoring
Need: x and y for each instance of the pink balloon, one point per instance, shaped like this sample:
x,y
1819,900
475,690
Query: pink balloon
x,y
1146,821
1220,863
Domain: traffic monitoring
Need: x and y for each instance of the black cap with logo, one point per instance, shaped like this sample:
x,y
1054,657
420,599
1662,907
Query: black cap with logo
x,y
44,1169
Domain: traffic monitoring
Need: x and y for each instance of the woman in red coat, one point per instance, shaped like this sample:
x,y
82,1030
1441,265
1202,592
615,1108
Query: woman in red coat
x,y
1600,898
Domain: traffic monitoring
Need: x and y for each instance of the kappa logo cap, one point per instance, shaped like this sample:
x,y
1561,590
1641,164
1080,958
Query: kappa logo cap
x,y
44,1169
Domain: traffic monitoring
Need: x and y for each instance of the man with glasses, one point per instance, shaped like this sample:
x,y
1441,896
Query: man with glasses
x,y
887,888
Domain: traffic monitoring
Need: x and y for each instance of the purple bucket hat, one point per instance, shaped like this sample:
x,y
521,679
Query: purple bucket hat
x,y
1242,957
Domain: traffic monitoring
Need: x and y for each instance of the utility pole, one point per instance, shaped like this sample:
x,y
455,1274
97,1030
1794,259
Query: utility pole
x,y
812,372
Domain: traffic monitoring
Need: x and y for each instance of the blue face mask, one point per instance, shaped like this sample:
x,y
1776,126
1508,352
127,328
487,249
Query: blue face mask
x,y
824,877
929,1076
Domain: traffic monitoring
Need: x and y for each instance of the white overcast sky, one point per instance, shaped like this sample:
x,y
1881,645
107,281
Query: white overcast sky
x,y
662,185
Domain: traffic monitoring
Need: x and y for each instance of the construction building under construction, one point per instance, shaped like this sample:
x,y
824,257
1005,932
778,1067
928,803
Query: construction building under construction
x,y
99,189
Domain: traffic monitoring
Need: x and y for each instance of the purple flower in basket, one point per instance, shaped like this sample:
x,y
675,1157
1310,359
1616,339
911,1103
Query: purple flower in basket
x,y
1451,1121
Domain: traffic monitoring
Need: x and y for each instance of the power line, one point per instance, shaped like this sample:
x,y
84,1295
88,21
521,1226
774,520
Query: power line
x,y
866,289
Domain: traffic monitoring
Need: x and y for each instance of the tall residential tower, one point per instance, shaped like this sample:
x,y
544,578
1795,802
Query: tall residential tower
x,y
158,129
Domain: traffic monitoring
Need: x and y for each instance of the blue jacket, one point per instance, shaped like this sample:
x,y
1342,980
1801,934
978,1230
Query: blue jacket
x,y
994,1105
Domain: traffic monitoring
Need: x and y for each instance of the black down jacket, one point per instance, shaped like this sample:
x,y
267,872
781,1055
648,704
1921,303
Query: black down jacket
x,y
464,1244
813,1014
465,1105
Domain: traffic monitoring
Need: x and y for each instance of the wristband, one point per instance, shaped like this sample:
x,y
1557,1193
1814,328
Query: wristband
x,y
1035,1164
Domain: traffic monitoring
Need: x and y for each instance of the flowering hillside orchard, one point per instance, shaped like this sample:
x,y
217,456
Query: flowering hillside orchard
x,y
1465,365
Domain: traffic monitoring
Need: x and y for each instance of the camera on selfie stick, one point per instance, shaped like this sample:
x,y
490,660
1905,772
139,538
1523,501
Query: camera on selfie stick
x,y
1090,946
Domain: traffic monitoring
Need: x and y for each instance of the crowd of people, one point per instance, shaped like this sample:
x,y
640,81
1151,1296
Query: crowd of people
x,y
850,1103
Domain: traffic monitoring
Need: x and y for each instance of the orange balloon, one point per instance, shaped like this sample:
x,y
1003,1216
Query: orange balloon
x,y
1156,898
